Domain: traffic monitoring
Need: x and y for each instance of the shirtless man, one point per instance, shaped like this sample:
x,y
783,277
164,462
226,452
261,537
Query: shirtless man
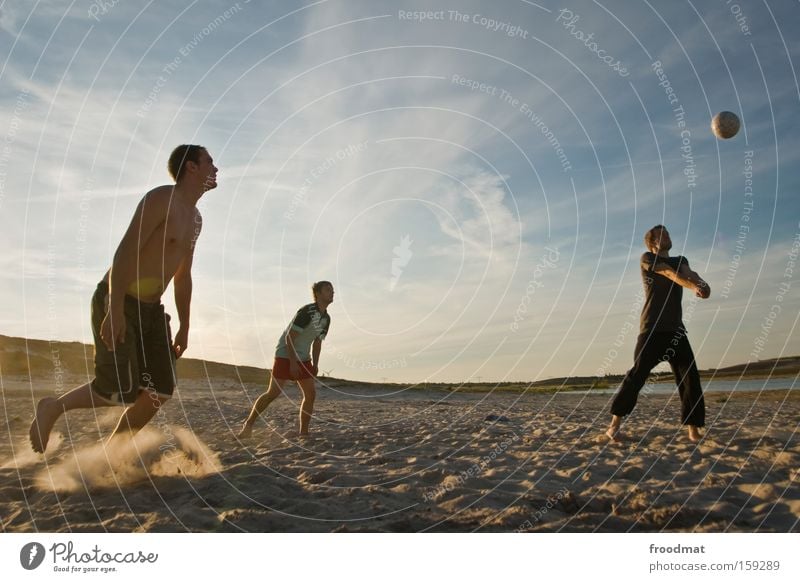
x,y
297,357
662,335
135,356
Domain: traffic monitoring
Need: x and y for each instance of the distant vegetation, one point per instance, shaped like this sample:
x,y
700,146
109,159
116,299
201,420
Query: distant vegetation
x,y
42,358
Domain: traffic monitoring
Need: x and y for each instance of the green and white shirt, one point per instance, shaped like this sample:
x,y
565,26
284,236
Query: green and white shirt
x,y
309,324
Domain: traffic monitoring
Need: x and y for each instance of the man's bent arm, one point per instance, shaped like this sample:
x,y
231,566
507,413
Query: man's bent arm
x,y
703,288
681,278
687,273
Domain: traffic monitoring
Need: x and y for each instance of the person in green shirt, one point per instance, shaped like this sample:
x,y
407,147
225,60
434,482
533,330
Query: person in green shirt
x,y
297,357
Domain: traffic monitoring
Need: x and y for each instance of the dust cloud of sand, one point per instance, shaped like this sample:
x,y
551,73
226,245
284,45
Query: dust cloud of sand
x,y
127,460
24,456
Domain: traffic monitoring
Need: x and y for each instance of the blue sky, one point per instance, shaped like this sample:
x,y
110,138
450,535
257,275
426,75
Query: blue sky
x,y
475,183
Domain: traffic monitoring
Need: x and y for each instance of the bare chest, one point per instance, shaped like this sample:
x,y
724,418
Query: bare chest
x,y
179,231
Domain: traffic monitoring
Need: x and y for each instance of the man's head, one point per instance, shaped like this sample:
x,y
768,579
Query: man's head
x,y
657,239
323,292
192,163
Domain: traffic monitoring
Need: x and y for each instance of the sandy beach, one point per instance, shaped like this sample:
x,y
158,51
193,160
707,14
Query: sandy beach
x,y
381,460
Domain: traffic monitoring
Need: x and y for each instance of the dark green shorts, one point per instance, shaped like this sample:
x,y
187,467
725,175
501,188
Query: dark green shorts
x,y
145,361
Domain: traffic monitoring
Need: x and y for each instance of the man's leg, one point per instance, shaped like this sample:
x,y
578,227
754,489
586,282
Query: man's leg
x,y
139,413
687,377
155,367
260,405
648,353
48,410
612,431
308,387
115,374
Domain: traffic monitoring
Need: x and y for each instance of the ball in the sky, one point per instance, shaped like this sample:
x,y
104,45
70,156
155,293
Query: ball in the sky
x,y
725,124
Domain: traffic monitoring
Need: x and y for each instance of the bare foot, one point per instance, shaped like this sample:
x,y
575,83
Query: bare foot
x,y
613,430
614,435
694,434
245,433
47,412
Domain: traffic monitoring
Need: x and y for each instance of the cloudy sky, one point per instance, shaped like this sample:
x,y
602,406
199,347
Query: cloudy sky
x,y
475,179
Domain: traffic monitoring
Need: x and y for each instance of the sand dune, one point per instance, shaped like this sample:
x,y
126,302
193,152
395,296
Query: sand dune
x,y
427,461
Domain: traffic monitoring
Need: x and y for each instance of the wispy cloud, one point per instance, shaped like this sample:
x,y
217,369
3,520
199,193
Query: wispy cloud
x,y
341,129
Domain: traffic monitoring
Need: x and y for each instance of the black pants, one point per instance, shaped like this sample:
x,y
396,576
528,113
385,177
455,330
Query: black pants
x,y
651,349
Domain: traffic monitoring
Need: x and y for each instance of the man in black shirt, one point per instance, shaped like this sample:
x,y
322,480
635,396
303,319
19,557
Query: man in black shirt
x,y
662,335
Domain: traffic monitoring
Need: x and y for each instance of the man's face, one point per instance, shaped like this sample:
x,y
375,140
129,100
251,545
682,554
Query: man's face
x,y
326,294
206,170
661,240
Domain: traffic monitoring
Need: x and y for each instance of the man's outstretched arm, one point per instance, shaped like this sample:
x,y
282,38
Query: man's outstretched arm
x,y
685,277
703,289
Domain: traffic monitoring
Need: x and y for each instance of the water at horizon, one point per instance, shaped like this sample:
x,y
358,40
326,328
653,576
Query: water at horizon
x,y
455,396
718,386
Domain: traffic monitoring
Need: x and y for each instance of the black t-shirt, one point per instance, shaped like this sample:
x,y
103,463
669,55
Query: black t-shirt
x,y
662,309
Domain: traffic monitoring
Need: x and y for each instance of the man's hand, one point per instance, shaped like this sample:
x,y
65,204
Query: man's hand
x,y
314,370
181,341
702,290
112,331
